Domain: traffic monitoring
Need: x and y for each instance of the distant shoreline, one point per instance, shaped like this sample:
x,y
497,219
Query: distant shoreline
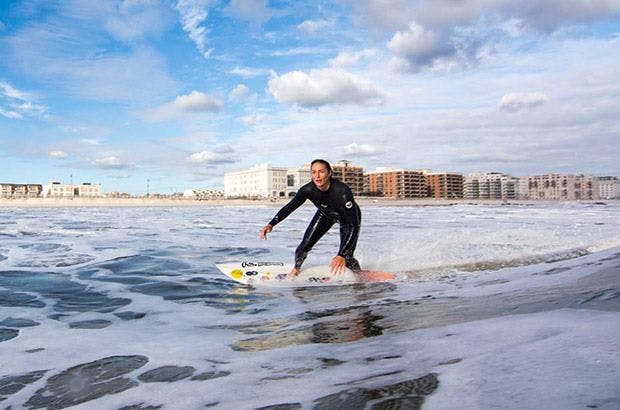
x,y
160,202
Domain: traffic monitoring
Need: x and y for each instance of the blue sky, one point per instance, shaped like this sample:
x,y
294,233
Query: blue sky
x,y
180,92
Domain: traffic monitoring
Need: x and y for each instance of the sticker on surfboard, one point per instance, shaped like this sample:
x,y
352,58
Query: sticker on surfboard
x,y
277,273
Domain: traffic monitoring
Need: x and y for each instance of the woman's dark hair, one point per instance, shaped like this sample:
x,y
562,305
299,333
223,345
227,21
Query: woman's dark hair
x,y
322,161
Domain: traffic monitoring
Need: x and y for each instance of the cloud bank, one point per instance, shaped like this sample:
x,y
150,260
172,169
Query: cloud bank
x,y
444,34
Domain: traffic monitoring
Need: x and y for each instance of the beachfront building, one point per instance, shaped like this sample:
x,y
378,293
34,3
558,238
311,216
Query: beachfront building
x,y
117,194
490,185
83,190
395,183
260,181
609,187
444,185
296,178
202,194
351,175
565,187
15,191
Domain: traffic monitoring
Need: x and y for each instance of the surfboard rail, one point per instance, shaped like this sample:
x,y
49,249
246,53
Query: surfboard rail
x,y
277,273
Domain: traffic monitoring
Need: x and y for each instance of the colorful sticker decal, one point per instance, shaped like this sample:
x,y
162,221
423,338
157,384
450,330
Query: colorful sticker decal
x,y
259,264
237,273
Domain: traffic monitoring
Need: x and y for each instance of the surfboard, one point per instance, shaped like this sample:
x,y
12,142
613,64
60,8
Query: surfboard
x,y
276,274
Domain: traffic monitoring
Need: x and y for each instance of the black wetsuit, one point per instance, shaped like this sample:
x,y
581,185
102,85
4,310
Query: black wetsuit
x,y
334,205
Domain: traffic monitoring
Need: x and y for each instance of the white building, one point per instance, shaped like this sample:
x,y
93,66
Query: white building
x,y
296,178
83,190
20,190
490,185
609,187
260,181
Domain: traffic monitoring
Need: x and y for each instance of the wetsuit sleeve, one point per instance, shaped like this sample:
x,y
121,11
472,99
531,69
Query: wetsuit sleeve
x,y
296,202
351,219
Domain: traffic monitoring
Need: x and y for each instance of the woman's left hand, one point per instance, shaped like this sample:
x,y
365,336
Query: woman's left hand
x,y
338,264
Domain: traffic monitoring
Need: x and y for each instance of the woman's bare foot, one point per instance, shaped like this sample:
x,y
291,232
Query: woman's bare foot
x,y
293,274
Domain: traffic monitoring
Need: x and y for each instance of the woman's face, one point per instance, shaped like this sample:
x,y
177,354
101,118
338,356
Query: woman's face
x,y
320,176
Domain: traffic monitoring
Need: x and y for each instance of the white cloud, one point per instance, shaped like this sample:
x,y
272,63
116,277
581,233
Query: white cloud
x,y
328,86
194,14
254,119
70,58
18,104
133,19
192,103
513,102
248,72
540,15
197,102
219,155
418,47
10,114
238,92
360,149
110,162
444,34
313,26
92,141
348,58
9,91
298,51
254,11
58,154
120,176
383,14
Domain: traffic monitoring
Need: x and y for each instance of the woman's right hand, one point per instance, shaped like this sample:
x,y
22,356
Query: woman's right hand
x,y
263,232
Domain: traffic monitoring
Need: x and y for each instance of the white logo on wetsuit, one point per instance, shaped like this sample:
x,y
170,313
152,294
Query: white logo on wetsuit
x,y
324,206
349,205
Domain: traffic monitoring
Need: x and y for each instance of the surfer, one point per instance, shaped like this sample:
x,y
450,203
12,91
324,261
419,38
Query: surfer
x,y
335,203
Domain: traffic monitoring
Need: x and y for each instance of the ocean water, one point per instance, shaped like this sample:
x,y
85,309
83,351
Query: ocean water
x,y
512,307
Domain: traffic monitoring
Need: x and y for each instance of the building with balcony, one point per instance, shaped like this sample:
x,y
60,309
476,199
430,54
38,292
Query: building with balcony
x,y
260,181
399,183
490,185
565,187
8,190
444,185
608,187
351,175
83,190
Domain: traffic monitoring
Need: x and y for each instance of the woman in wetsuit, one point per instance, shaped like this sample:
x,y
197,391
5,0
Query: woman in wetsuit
x,y
335,203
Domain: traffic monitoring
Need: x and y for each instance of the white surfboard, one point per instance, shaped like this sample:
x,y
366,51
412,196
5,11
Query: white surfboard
x,y
258,273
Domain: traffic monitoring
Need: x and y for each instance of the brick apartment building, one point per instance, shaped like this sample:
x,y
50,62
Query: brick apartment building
x,y
399,183
351,175
444,185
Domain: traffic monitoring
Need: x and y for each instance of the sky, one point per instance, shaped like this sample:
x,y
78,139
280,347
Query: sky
x,y
173,94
